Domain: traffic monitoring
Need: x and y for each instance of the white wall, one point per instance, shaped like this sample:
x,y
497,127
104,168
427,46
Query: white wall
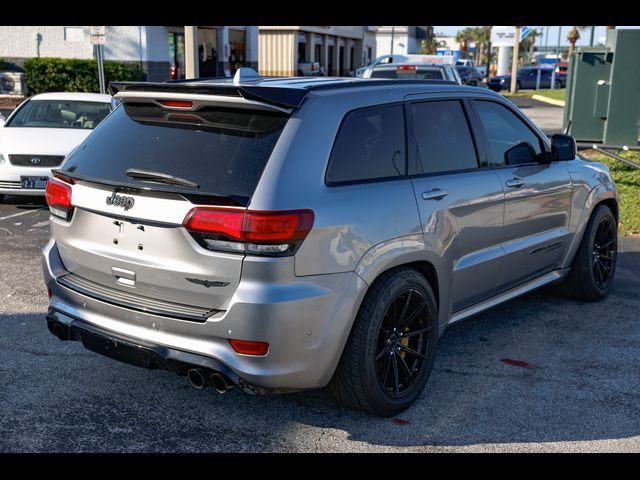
x,y
383,44
131,43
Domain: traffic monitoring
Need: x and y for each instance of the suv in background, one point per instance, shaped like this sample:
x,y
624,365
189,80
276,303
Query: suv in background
x,y
285,234
407,71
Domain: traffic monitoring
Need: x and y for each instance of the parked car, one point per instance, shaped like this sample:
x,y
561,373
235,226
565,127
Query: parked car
x,y
364,72
466,62
309,69
277,236
469,75
527,79
409,71
39,133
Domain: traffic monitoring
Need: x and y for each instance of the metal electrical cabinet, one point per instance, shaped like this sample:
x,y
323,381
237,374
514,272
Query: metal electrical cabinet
x,y
603,91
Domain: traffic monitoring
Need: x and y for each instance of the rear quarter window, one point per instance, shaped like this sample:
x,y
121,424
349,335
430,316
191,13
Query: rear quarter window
x,y
370,145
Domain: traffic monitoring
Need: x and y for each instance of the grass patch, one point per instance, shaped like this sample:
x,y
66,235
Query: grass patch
x,y
627,181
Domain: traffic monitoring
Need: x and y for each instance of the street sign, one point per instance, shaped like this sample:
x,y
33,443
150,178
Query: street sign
x,y
102,30
98,39
502,36
524,31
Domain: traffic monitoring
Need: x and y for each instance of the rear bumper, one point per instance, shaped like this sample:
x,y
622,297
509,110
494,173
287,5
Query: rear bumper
x,y
305,320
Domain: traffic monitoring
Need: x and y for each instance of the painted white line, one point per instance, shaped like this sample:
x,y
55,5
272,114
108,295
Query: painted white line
x,y
20,213
552,101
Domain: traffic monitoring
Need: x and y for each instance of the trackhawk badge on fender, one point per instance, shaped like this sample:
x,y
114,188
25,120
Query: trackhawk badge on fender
x,y
121,201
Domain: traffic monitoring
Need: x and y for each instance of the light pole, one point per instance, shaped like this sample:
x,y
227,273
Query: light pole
x,y
559,33
593,32
514,63
393,31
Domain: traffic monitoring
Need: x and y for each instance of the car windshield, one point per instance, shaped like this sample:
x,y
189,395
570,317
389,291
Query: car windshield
x,y
60,114
410,72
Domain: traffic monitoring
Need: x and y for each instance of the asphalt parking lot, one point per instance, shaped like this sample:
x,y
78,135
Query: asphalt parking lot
x,y
577,389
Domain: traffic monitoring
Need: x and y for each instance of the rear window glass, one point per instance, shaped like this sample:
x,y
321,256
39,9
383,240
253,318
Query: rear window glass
x,y
370,145
224,151
420,73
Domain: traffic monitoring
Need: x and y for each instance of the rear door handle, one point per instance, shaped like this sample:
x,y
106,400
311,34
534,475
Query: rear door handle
x,y
515,182
435,194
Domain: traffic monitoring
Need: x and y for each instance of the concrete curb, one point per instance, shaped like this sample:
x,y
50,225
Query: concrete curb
x,y
540,98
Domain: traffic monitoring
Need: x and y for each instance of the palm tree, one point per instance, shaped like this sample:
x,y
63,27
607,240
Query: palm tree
x,y
573,37
480,36
464,37
429,46
527,46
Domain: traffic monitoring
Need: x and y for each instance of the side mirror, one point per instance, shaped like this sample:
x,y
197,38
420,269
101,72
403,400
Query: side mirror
x,y
473,83
563,147
520,154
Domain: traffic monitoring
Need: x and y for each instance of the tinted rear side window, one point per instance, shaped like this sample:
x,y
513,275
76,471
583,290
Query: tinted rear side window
x,y
224,151
441,138
370,145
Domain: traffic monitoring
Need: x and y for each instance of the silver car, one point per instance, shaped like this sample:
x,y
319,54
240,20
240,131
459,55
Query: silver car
x,y
282,234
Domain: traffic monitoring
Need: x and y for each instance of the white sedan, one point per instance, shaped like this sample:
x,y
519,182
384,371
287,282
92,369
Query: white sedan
x,y
40,133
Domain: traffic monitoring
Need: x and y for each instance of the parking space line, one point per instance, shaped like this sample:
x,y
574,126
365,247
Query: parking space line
x,y
20,213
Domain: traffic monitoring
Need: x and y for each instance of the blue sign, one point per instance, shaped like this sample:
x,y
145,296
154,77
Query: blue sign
x,y
524,31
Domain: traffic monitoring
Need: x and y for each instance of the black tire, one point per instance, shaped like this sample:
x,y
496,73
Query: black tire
x,y
584,282
357,382
558,84
518,86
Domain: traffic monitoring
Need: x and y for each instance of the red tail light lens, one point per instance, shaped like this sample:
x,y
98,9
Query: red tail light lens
x,y
58,196
407,67
250,348
261,233
176,104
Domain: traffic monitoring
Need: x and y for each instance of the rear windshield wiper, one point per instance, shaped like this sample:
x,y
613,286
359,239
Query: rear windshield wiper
x,y
160,178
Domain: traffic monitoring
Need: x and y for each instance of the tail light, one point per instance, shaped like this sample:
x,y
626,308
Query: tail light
x,y
58,196
268,233
407,67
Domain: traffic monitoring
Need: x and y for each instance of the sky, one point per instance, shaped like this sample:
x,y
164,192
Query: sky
x,y
552,36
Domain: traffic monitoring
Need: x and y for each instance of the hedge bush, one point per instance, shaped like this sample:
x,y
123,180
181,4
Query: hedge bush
x,y
74,75
3,64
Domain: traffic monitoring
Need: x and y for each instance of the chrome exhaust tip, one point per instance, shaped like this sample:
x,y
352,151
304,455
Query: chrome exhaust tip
x,y
197,378
221,382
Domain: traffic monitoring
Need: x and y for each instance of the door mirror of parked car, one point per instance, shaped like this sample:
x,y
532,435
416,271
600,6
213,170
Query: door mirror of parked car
x,y
473,83
563,147
520,154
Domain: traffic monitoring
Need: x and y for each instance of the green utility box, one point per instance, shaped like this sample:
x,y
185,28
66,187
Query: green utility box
x,y
603,91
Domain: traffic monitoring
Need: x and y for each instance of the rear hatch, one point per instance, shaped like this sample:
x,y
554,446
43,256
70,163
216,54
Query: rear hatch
x,y
133,183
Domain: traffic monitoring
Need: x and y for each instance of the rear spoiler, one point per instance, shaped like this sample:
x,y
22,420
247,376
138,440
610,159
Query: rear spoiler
x,y
279,97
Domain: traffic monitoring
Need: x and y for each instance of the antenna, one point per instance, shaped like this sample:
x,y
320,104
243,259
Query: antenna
x,y
246,74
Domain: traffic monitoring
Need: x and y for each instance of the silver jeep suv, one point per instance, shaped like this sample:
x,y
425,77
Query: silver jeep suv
x,y
281,234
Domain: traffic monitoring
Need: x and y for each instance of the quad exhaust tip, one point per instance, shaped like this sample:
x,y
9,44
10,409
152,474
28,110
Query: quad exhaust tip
x,y
201,378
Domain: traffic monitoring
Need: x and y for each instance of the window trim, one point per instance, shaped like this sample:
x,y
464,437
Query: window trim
x,y
329,183
544,151
411,147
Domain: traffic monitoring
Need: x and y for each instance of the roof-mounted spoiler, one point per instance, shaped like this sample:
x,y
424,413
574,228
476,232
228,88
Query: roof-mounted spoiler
x,y
282,97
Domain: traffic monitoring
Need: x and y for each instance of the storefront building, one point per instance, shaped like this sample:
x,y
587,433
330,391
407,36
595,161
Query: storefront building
x,y
288,50
158,50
